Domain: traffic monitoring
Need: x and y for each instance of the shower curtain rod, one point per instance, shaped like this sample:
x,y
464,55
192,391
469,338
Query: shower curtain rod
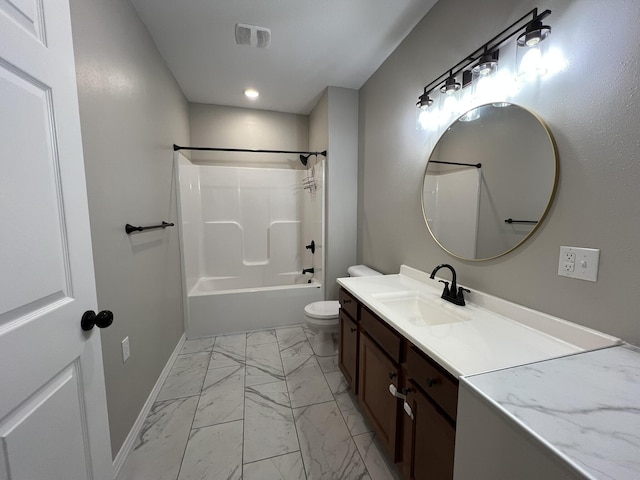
x,y
248,150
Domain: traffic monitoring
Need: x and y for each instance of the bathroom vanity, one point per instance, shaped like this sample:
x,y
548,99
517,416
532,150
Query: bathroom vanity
x,y
404,350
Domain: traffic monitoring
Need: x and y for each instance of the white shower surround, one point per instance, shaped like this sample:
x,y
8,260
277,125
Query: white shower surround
x,y
243,236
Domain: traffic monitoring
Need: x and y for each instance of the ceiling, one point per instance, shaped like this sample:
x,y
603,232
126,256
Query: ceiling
x,y
314,44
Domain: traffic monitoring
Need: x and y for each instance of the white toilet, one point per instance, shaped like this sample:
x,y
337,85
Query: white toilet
x,y
322,318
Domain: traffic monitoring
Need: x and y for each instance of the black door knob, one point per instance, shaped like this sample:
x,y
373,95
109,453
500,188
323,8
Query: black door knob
x,y
101,320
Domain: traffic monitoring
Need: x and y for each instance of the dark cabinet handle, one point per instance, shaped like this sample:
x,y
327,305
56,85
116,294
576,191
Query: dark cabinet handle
x,y
101,320
392,375
346,300
353,329
431,382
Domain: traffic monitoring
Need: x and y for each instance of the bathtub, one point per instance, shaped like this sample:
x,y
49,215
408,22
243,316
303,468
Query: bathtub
x,y
221,305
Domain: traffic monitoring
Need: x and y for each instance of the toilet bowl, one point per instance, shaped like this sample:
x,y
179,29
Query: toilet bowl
x,y
322,318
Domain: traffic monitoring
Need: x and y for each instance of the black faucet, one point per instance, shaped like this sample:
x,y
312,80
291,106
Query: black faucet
x,y
454,294
307,270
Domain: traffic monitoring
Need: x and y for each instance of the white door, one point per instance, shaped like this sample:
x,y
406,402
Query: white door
x,y
53,417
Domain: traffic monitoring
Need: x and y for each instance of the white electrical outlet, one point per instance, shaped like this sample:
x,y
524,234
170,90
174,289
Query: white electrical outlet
x,y
125,349
577,262
568,266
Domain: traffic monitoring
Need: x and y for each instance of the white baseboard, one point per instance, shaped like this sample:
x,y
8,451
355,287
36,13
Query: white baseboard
x,y
137,426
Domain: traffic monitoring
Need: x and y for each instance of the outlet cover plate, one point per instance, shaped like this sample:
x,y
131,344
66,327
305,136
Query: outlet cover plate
x,y
585,263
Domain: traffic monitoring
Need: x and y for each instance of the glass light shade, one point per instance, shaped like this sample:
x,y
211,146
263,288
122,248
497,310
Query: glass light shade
x,y
424,113
449,101
531,61
426,118
449,107
483,82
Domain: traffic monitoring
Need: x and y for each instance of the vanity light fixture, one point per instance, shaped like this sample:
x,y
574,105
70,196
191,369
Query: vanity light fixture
x,y
423,115
424,101
534,34
450,86
487,65
530,52
483,62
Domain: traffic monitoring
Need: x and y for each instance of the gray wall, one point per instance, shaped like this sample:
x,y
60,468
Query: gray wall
x,y
334,127
318,142
593,110
342,187
232,127
131,111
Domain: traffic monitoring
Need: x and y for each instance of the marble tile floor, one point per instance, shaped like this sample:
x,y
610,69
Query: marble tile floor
x,y
255,406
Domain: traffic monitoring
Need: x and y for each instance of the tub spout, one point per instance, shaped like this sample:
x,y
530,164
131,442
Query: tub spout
x,y
307,270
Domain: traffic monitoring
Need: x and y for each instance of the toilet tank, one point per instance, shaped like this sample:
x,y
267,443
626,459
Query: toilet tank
x,y
361,271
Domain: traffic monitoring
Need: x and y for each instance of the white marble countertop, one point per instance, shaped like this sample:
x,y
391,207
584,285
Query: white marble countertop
x,y
585,407
491,333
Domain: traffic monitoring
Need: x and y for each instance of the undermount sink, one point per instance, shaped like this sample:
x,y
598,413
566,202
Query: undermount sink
x,y
421,309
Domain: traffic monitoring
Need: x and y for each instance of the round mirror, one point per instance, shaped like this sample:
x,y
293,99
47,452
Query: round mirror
x,y
489,181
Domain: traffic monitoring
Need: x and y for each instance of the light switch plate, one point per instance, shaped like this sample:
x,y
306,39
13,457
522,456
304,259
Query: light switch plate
x,y
578,262
126,351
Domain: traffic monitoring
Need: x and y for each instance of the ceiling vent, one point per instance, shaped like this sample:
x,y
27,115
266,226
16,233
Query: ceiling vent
x,y
252,35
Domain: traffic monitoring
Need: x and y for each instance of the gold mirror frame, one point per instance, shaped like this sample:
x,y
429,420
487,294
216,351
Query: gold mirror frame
x,y
540,220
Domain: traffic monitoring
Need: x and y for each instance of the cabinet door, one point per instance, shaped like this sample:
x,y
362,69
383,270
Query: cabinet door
x,y
348,352
430,442
376,372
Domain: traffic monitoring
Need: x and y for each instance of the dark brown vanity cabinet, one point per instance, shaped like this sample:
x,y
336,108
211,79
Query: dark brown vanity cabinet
x,y
374,356
348,346
376,372
348,350
428,428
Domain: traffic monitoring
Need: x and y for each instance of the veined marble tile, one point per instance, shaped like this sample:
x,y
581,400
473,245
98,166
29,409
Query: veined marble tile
x,y
268,422
283,467
222,397
229,351
329,364
373,458
257,338
356,423
293,341
214,453
186,376
305,381
327,448
337,383
158,451
586,406
198,345
263,364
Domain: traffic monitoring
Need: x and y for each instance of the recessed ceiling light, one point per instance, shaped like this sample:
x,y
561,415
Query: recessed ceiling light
x,y
251,93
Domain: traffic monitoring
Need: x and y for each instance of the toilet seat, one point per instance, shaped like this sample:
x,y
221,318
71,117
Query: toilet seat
x,y
325,310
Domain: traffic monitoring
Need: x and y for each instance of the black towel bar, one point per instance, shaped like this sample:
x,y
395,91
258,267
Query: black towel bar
x,y
130,228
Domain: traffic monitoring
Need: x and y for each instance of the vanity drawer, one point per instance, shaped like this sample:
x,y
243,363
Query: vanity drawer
x,y
385,336
441,386
348,303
